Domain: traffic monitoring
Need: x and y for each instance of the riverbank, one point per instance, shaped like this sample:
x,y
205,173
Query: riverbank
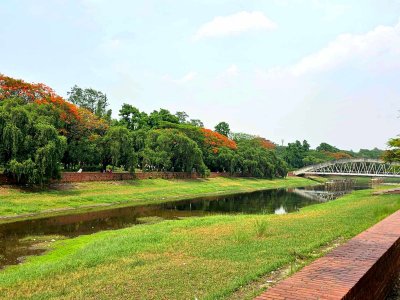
x,y
207,257
17,202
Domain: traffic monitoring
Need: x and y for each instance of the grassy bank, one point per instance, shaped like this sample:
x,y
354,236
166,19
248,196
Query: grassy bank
x,y
16,201
207,258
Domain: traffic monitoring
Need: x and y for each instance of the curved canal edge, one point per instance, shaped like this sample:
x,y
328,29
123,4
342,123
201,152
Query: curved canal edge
x,y
363,268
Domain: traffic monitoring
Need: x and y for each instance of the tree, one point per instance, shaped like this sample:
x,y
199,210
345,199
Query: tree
x,y
172,150
254,160
118,149
240,136
196,123
393,154
222,128
306,146
182,116
38,93
91,99
132,118
31,147
28,92
374,153
163,115
326,147
294,154
267,144
214,140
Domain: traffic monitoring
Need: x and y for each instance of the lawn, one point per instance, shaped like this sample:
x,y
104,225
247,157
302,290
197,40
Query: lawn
x,y
205,258
17,201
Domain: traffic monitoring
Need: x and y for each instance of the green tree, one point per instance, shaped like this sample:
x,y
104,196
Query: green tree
x,y
295,152
118,149
132,118
366,153
306,146
182,116
393,154
222,128
240,136
31,147
83,153
163,115
172,150
196,123
254,160
224,160
91,99
328,148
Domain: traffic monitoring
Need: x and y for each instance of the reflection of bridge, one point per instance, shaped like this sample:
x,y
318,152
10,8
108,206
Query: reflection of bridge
x,y
320,196
353,167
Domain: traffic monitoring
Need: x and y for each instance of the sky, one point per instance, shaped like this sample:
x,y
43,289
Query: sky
x,y
324,71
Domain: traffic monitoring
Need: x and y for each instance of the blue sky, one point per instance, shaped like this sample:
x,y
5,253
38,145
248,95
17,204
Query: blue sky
x,y
325,71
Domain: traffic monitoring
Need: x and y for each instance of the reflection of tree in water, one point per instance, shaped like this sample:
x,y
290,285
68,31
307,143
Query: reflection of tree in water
x,y
267,202
257,202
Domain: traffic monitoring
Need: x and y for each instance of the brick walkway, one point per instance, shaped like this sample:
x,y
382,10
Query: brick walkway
x,y
363,268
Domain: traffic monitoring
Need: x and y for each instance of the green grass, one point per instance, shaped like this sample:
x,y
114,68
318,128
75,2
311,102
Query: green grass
x,y
205,258
15,201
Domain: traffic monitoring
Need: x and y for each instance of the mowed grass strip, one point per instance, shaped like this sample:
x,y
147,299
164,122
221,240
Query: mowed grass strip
x,y
204,258
16,201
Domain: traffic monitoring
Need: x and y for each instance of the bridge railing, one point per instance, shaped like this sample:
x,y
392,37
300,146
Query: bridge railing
x,y
353,167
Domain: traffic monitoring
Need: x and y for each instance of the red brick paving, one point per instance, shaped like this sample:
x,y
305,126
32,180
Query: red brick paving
x,y
363,268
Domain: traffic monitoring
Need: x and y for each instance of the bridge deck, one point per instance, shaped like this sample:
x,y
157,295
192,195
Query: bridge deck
x,y
353,167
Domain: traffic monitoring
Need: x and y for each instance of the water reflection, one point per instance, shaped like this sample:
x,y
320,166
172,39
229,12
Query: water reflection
x,y
14,246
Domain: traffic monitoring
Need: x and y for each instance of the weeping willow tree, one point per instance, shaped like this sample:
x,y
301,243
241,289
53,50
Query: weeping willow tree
x,y
118,149
172,150
31,148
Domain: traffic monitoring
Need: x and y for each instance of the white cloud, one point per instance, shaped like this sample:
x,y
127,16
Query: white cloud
x,y
185,79
382,40
374,49
234,24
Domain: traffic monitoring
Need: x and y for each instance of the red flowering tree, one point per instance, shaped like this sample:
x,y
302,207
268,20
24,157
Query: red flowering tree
x,y
38,93
215,140
267,144
81,127
218,150
337,155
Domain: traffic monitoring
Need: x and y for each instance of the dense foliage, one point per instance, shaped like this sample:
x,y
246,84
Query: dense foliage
x,y
31,148
298,155
393,154
42,134
222,128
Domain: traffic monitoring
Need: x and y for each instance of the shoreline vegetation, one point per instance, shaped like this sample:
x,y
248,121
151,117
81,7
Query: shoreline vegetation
x,y
208,257
18,202
44,133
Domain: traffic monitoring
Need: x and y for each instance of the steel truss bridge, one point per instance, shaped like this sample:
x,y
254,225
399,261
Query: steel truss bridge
x,y
353,167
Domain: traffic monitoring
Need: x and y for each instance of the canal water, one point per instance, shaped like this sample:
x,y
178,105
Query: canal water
x,y
31,237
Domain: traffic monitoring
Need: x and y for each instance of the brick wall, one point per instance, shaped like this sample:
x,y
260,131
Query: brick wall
x,y
97,176
5,180
363,268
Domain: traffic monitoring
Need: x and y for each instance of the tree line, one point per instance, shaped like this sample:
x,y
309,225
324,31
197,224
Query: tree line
x,y
42,134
